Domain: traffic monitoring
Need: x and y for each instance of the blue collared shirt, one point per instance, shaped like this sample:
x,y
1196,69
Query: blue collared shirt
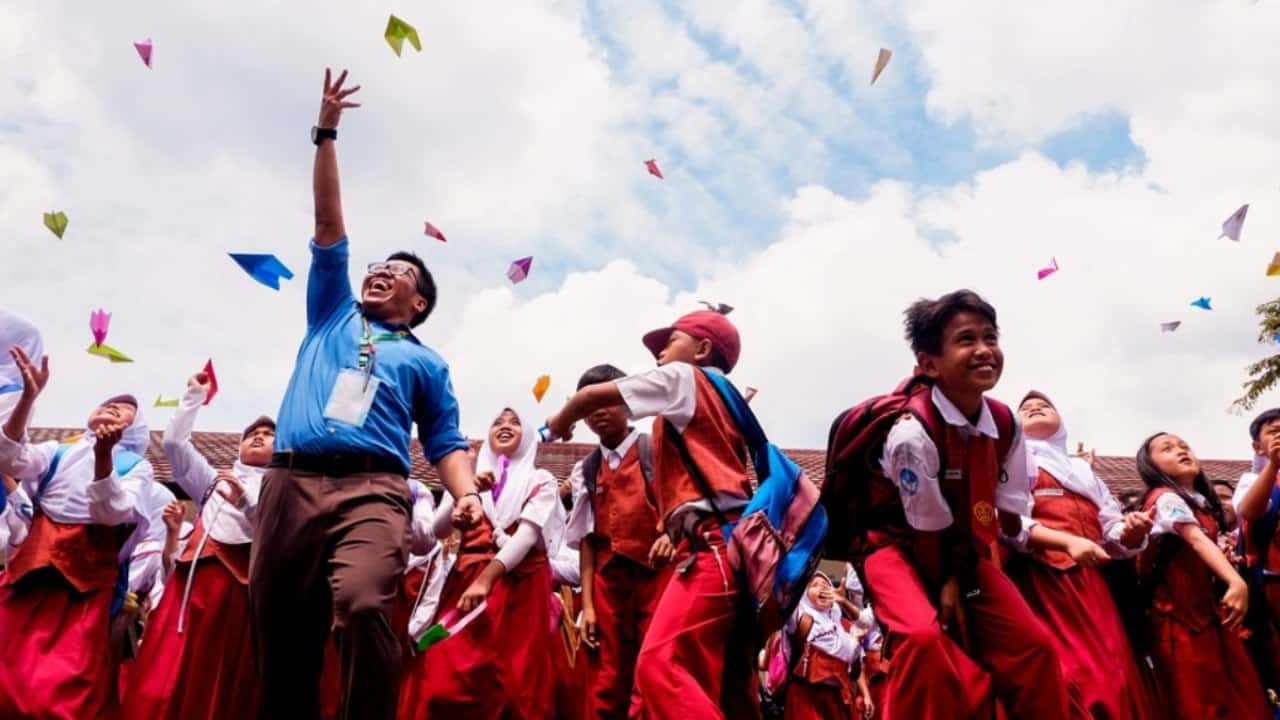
x,y
415,385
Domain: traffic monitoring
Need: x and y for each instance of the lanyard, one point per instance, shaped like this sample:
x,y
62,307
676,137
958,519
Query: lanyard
x,y
368,352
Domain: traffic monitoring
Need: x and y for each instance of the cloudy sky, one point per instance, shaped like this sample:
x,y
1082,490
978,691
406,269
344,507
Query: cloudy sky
x,y
1114,137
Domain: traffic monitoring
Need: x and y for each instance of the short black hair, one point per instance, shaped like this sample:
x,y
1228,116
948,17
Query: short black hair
x,y
1263,419
926,319
599,374
426,284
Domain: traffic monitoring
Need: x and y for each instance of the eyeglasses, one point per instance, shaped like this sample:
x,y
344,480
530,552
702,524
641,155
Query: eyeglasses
x,y
395,267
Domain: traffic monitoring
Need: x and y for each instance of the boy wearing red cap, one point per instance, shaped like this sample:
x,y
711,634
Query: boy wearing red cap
x,y
693,662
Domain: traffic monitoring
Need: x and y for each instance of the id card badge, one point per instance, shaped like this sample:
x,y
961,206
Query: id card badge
x,y
350,400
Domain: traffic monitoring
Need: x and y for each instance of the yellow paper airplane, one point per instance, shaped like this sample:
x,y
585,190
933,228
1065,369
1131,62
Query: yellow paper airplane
x,y
109,353
398,31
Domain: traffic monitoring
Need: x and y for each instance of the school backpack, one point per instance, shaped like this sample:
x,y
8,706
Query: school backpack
x,y
591,463
855,489
123,461
775,546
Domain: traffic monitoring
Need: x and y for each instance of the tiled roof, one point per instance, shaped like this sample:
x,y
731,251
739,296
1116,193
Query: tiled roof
x,y
221,449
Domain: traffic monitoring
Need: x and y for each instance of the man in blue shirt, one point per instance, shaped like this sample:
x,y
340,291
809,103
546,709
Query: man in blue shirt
x,y
333,515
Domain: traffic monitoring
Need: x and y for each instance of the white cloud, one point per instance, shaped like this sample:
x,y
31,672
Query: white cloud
x,y
517,131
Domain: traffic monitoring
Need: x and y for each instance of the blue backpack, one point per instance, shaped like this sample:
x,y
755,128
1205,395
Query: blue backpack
x,y
124,462
775,546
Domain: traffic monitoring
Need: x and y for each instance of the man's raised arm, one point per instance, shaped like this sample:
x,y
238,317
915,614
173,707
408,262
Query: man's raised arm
x,y
328,195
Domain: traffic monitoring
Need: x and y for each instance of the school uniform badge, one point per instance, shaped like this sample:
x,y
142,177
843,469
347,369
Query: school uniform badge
x,y
909,481
984,512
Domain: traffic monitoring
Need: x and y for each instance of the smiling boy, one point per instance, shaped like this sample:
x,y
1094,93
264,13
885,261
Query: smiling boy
x,y
959,632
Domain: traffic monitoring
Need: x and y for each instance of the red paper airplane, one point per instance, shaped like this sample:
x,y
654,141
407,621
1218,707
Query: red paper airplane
x,y
653,168
213,381
433,231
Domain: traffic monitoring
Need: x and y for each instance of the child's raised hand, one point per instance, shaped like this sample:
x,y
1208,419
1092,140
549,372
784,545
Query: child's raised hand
x,y
172,515
230,487
33,378
1273,450
106,437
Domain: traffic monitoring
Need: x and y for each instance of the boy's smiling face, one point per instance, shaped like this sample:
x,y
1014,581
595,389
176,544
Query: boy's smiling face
x,y
971,360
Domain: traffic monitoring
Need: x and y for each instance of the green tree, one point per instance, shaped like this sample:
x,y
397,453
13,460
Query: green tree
x,y
1265,373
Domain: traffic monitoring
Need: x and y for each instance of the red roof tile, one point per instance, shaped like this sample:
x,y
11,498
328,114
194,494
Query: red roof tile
x,y
221,449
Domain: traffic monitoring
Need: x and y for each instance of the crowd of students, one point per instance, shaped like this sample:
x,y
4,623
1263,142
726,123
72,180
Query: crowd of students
x,y
987,571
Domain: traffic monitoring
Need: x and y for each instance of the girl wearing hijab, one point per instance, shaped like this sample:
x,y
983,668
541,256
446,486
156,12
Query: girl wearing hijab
x,y
58,591
498,665
820,653
197,660
1063,585
1200,660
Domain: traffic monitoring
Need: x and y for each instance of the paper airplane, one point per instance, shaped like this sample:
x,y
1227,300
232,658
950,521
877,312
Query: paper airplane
x,y
398,31
1170,326
56,221
1274,267
213,380
1047,270
540,387
1232,226
718,307
519,270
882,60
1202,303
99,321
266,269
652,166
433,231
449,626
162,402
109,353
144,51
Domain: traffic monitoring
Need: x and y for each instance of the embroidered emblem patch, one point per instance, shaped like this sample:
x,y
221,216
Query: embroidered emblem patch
x,y
909,481
984,513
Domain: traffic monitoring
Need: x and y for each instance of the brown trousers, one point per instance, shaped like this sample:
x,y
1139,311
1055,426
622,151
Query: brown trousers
x,y
329,553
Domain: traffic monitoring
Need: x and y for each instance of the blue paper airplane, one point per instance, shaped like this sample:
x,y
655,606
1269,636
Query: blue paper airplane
x,y
1202,303
266,269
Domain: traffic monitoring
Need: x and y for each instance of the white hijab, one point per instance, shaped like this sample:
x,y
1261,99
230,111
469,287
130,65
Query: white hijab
x,y
529,493
1052,456
826,634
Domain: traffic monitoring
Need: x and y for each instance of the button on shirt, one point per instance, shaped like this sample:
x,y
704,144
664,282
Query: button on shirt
x,y
415,385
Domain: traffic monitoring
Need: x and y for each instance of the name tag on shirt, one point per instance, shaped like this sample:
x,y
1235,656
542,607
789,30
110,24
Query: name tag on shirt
x,y
1048,492
350,400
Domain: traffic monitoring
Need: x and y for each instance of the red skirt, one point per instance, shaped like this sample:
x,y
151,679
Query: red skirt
x,y
497,667
209,670
1205,674
815,702
1097,661
54,643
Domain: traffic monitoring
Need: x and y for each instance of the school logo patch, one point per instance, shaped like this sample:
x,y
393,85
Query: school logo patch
x,y
909,481
984,513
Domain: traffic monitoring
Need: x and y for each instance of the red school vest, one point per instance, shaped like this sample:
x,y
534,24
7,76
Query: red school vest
x,y
715,446
86,555
626,520
1058,508
1185,589
234,557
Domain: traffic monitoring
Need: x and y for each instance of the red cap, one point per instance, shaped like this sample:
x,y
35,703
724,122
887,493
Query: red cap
x,y
703,325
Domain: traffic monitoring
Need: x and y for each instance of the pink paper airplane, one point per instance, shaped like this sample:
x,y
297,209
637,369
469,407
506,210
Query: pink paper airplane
x,y
1048,270
433,231
144,51
99,321
652,165
519,270
213,381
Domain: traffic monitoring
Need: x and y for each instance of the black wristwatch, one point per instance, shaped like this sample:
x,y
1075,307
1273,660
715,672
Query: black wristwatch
x,y
319,133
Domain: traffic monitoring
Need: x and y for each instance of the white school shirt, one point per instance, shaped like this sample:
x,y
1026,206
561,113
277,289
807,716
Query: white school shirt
x,y
73,495
146,564
566,567
428,602
224,521
1171,511
15,521
582,519
671,391
422,537
911,461
1086,483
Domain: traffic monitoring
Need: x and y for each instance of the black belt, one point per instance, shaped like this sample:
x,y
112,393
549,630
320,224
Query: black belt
x,y
338,464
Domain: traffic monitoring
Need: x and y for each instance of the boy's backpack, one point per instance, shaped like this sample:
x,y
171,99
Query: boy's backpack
x,y
776,544
591,463
855,488
123,461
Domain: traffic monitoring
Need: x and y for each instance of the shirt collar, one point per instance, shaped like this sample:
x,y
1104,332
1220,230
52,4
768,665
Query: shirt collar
x,y
986,424
623,447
